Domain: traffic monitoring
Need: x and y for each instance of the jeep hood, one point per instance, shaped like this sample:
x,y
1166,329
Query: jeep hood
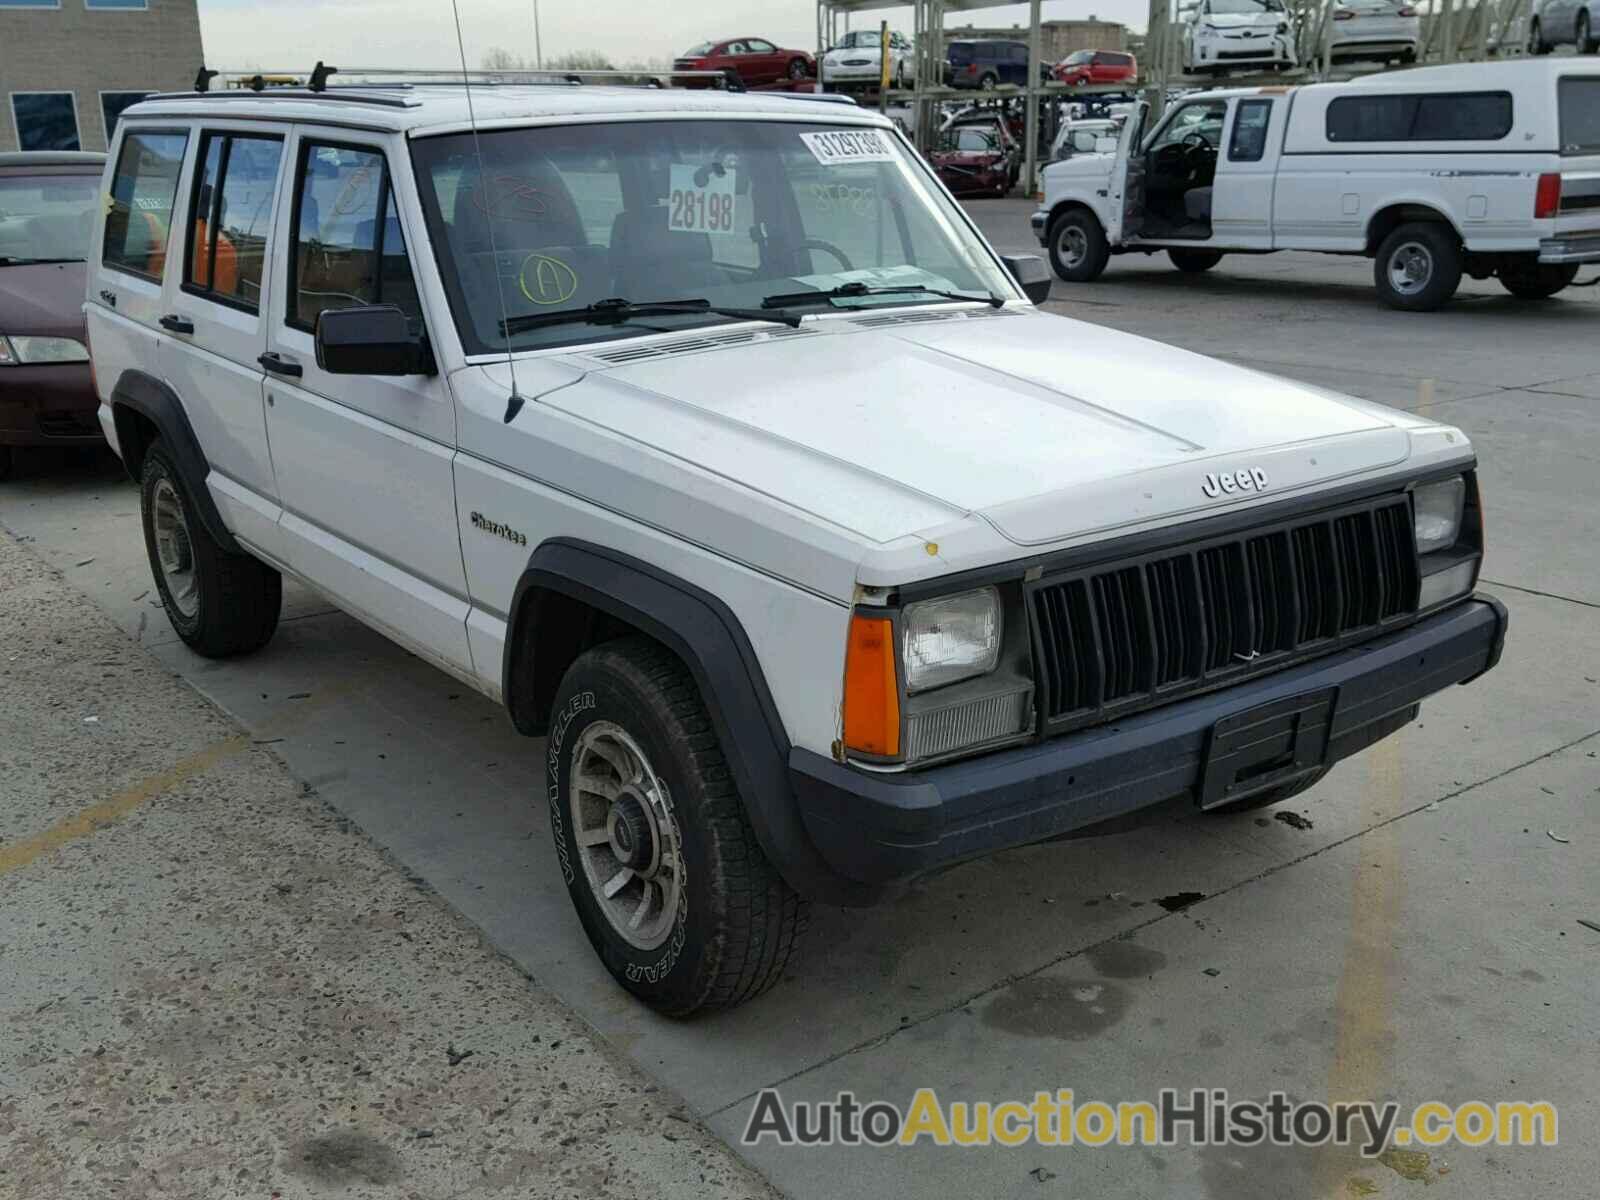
x,y
1047,429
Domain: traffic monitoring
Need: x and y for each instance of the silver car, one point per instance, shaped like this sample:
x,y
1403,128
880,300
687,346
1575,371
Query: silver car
x,y
1563,23
1386,30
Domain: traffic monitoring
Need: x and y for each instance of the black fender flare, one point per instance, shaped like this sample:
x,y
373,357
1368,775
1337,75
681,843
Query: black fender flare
x,y
705,634
138,392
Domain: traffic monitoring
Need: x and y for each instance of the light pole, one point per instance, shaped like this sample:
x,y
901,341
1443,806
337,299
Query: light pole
x,y
538,51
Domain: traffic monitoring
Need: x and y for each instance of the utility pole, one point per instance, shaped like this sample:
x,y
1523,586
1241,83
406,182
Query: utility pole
x,y
538,48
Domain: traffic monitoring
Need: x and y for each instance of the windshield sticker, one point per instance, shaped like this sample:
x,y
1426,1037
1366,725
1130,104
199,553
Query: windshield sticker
x,y
841,146
545,280
702,199
844,198
510,198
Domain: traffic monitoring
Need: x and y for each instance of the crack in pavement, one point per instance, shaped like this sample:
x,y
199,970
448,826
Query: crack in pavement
x,y
1536,592
1015,977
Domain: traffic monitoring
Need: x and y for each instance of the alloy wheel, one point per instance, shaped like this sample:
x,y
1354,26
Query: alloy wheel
x,y
175,550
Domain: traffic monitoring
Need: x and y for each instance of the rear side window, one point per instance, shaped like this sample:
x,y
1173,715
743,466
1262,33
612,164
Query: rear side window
x,y
232,212
1580,115
960,52
1248,142
348,247
142,192
1442,117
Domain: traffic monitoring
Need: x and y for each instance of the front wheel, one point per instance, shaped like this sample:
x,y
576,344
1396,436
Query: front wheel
x,y
1536,42
797,68
653,840
1193,262
220,603
1418,267
1078,249
1538,281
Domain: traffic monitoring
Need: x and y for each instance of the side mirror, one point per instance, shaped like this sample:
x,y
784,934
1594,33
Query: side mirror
x,y
375,339
1105,145
1032,276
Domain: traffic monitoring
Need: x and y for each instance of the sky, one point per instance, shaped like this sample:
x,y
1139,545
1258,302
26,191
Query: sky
x,y
273,34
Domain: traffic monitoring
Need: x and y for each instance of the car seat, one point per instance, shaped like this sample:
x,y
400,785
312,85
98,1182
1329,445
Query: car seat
x,y
1197,204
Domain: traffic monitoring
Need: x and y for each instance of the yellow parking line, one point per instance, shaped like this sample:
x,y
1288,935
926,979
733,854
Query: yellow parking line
x,y
97,816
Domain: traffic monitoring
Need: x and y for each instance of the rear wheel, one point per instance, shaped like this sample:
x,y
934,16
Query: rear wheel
x,y
1194,261
221,604
1538,281
1078,249
1275,795
1418,267
1585,44
655,846
989,81
1536,42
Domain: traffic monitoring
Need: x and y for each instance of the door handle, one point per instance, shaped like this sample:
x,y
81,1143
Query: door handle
x,y
177,324
279,365
109,297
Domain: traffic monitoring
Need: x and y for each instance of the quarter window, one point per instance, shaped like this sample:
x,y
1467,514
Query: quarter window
x,y
142,192
344,255
45,120
1439,117
232,212
1248,142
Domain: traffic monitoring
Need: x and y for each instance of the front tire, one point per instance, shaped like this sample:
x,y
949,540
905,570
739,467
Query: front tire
x,y
667,877
1078,249
220,603
1538,281
1193,262
1418,267
1536,42
1581,35
797,68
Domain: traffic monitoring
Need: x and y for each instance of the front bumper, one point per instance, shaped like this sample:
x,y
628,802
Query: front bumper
x,y
1585,249
1040,221
48,404
878,828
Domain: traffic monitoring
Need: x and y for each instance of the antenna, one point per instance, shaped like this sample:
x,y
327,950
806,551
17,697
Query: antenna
x,y
514,402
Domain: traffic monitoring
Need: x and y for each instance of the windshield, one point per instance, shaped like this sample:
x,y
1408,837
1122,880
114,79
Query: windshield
x,y
47,216
1078,57
1245,7
699,51
1580,115
726,211
861,39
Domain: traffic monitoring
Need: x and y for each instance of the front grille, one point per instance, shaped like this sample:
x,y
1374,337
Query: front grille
x,y
1125,635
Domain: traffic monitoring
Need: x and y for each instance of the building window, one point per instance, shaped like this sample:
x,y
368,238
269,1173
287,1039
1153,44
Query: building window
x,y
30,3
112,105
45,120
139,5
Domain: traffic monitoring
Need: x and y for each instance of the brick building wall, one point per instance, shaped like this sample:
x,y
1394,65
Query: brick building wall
x,y
1058,38
89,50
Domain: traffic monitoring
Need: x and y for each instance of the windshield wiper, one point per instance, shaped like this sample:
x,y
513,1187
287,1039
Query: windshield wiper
x,y
616,311
847,291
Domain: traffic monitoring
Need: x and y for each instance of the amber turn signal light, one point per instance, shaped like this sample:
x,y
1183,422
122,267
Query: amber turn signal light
x,y
871,694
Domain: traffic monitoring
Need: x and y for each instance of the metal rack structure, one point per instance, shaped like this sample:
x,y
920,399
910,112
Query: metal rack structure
x,y
1452,31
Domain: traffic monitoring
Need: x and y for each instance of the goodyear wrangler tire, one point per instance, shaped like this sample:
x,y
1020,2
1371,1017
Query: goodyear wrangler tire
x,y
652,839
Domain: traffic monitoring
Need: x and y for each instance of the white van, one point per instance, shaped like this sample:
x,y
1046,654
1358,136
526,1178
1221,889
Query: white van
x,y
1487,169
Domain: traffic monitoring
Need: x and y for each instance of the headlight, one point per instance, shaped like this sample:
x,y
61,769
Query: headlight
x,y
951,638
1437,508
17,350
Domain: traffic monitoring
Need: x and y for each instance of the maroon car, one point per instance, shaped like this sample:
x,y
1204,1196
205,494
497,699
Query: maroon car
x,y
755,61
47,215
972,162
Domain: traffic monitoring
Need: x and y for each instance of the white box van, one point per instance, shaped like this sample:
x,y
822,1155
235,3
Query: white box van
x,y
1479,169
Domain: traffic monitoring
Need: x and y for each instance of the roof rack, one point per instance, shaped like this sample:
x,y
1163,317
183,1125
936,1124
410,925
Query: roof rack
x,y
257,80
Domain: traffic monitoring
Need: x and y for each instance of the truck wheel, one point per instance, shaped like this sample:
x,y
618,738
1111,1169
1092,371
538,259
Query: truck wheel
x,y
669,881
1194,261
1078,249
221,604
1418,267
1275,795
1538,281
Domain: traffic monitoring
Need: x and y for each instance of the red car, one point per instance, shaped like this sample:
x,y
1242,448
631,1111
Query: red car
x,y
972,162
1097,66
754,60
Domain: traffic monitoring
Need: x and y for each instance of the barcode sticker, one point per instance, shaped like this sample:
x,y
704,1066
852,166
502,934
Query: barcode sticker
x,y
840,146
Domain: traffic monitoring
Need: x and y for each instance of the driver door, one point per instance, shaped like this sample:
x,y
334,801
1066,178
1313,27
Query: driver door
x,y
1127,179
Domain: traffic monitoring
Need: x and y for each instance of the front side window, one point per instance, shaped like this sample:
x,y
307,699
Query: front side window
x,y
48,217
731,212
232,213
142,193
757,46
1193,120
344,255
45,120
1249,140
1440,117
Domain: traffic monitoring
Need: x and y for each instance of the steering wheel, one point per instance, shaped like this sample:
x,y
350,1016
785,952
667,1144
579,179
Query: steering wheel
x,y
827,248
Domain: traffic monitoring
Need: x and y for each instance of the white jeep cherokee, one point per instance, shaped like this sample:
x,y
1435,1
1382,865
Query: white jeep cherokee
x,y
707,434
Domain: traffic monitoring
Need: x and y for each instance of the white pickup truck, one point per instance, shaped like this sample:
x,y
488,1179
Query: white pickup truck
x,y
1480,169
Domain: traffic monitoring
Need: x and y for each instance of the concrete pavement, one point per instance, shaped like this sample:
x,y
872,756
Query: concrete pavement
x,y
1414,937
